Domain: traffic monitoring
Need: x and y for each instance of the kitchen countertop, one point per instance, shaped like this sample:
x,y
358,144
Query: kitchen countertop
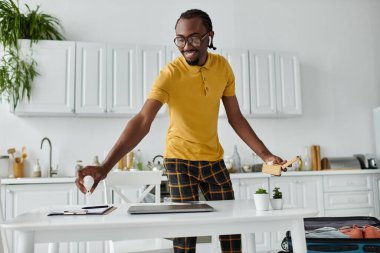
x,y
58,180
308,173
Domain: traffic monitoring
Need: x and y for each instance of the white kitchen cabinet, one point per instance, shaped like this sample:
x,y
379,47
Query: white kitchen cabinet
x,y
150,60
91,78
22,198
247,187
100,79
106,81
288,85
349,195
124,95
239,61
300,192
172,53
262,83
275,88
297,192
53,91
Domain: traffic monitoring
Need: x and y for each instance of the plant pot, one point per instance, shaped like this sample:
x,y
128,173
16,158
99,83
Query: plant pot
x,y
261,201
276,204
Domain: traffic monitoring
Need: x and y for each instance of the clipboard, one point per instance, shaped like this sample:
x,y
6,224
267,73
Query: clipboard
x,y
87,210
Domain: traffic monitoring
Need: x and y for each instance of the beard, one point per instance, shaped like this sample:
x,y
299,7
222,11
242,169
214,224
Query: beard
x,y
193,62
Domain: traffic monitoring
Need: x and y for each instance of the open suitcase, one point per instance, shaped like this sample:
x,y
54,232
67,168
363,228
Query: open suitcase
x,y
349,245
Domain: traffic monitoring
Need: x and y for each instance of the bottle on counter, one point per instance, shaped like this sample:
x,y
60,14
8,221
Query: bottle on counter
x,y
95,161
138,160
121,164
78,166
236,160
37,169
130,158
257,163
306,163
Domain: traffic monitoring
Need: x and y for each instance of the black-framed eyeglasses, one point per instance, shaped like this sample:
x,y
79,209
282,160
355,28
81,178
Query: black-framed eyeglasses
x,y
194,40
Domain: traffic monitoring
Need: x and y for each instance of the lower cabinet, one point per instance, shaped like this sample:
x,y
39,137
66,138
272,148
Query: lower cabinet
x,y
350,195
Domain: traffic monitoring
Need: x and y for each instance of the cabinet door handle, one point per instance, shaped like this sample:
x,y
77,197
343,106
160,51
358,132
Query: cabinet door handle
x,y
9,191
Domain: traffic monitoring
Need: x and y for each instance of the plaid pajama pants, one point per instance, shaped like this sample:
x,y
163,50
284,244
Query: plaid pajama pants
x,y
212,178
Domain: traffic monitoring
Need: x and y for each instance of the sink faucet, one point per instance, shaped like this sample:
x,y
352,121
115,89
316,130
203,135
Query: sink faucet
x,y
51,172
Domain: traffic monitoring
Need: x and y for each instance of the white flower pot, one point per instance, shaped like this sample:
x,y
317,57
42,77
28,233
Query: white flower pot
x,y
276,204
261,201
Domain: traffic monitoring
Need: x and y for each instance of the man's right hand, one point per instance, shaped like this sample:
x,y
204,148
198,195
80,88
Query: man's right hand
x,y
98,173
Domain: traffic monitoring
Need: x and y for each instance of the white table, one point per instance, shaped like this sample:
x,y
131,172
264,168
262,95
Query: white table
x,y
230,217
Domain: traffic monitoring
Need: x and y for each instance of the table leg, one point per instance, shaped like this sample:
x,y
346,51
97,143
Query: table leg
x,y
26,241
250,243
53,247
215,244
4,240
298,236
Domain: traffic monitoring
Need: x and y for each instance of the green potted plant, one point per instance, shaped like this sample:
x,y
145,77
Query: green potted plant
x,y
261,198
276,202
17,69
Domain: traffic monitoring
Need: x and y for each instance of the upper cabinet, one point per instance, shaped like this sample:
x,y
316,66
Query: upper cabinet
x,y
91,78
123,94
53,90
239,61
262,83
288,85
108,79
275,87
151,59
267,83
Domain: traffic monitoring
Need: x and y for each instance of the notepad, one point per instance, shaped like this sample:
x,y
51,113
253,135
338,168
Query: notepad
x,y
88,210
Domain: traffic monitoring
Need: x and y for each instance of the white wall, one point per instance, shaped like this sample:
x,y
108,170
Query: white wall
x,y
337,41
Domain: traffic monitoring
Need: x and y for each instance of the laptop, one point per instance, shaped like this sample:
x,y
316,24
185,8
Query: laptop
x,y
170,208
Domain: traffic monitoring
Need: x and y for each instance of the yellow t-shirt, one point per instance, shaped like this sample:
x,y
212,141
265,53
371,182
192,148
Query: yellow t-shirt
x,y
193,95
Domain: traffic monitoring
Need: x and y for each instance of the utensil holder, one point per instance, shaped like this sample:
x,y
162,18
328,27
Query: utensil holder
x,y
18,169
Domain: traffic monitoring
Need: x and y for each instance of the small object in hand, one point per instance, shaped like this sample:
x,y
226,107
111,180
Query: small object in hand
x,y
88,182
276,169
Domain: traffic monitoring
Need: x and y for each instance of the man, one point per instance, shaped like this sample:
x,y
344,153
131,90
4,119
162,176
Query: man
x,y
192,85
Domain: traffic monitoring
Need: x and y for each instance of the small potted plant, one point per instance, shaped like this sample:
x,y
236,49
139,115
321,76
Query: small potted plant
x,y
276,202
261,198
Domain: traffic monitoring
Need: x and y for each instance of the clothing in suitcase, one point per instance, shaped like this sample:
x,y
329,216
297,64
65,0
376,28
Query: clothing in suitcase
x,y
351,234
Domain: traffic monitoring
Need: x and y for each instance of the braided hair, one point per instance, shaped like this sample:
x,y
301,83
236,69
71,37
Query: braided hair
x,y
205,20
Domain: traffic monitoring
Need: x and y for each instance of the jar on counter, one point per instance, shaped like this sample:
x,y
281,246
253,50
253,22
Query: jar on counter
x,y
37,169
4,166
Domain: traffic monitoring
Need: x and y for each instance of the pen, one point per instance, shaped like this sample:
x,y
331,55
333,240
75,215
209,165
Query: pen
x,y
75,212
94,207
